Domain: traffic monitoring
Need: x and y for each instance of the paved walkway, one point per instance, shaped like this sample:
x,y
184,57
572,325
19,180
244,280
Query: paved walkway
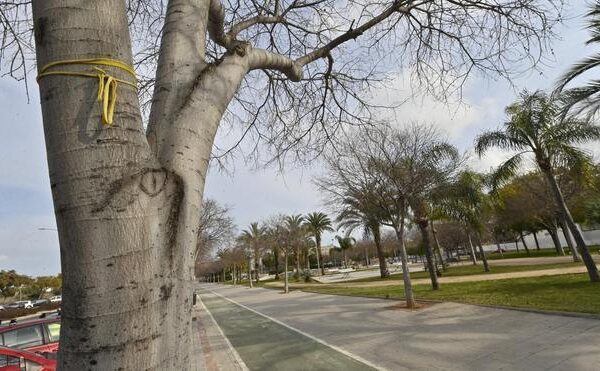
x,y
453,279
446,336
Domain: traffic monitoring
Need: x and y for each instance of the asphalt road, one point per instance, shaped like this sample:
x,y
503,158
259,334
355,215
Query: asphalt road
x,y
445,336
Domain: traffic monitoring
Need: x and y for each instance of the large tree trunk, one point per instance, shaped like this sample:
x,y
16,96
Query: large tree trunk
x,y
127,202
408,291
572,248
383,269
423,227
562,205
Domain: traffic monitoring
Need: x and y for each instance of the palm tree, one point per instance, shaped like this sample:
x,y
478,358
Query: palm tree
x,y
534,127
346,243
586,99
296,234
317,223
358,212
465,201
255,236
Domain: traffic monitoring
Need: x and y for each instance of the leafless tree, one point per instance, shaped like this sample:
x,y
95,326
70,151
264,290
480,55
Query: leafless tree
x,y
216,228
288,73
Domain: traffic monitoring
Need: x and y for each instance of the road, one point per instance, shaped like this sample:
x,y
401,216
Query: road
x,y
446,336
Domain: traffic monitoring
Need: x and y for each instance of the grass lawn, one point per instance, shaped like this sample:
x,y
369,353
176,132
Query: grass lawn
x,y
468,270
569,292
535,253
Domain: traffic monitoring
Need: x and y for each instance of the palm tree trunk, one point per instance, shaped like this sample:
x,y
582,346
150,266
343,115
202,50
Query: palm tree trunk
x,y
276,256
498,246
286,286
320,255
345,262
256,264
438,249
557,245
250,272
517,245
565,230
408,291
297,275
423,227
383,269
585,253
524,243
537,244
486,266
471,249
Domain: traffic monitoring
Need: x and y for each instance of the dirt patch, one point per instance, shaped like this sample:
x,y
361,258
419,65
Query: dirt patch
x,y
402,306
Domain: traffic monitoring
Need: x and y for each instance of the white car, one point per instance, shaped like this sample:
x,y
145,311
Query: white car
x,y
27,304
56,299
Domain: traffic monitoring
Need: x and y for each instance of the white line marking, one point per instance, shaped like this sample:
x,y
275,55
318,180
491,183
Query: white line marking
x,y
237,357
322,342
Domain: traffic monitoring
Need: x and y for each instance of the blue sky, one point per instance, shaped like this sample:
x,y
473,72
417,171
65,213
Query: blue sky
x,y
26,203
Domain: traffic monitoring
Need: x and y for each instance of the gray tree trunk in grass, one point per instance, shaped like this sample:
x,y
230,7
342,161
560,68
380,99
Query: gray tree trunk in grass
x,y
557,245
471,249
286,286
568,218
572,247
430,260
537,243
486,266
438,249
408,291
524,243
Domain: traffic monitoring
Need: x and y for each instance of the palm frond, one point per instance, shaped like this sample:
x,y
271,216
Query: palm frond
x,y
497,138
506,171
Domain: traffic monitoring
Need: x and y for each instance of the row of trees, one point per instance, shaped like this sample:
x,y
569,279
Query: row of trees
x,y
20,286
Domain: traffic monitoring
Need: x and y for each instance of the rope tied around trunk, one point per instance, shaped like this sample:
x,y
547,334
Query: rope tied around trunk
x,y
107,84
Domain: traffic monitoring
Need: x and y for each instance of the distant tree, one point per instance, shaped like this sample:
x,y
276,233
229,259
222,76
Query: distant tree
x,y
296,233
534,127
317,223
254,235
216,229
345,244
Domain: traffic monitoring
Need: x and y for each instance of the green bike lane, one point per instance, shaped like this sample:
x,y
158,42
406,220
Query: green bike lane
x,y
265,344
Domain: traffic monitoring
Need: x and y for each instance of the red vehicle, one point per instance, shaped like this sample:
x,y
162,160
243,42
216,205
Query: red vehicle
x,y
39,335
21,360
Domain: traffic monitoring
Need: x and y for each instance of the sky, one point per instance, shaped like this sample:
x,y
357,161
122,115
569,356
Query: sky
x,y
253,195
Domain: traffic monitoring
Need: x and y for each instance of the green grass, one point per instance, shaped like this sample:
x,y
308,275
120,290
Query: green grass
x,y
534,253
569,293
469,270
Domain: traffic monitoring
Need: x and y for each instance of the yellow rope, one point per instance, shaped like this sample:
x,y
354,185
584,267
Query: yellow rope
x,y
107,84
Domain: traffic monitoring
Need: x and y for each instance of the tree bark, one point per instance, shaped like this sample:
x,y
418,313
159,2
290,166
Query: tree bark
x,y
250,273
297,262
276,257
524,243
517,245
383,269
423,227
438,249
408,291
572,247
537,244
581,245
320,254
471,249
486,266
286,286
557,245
